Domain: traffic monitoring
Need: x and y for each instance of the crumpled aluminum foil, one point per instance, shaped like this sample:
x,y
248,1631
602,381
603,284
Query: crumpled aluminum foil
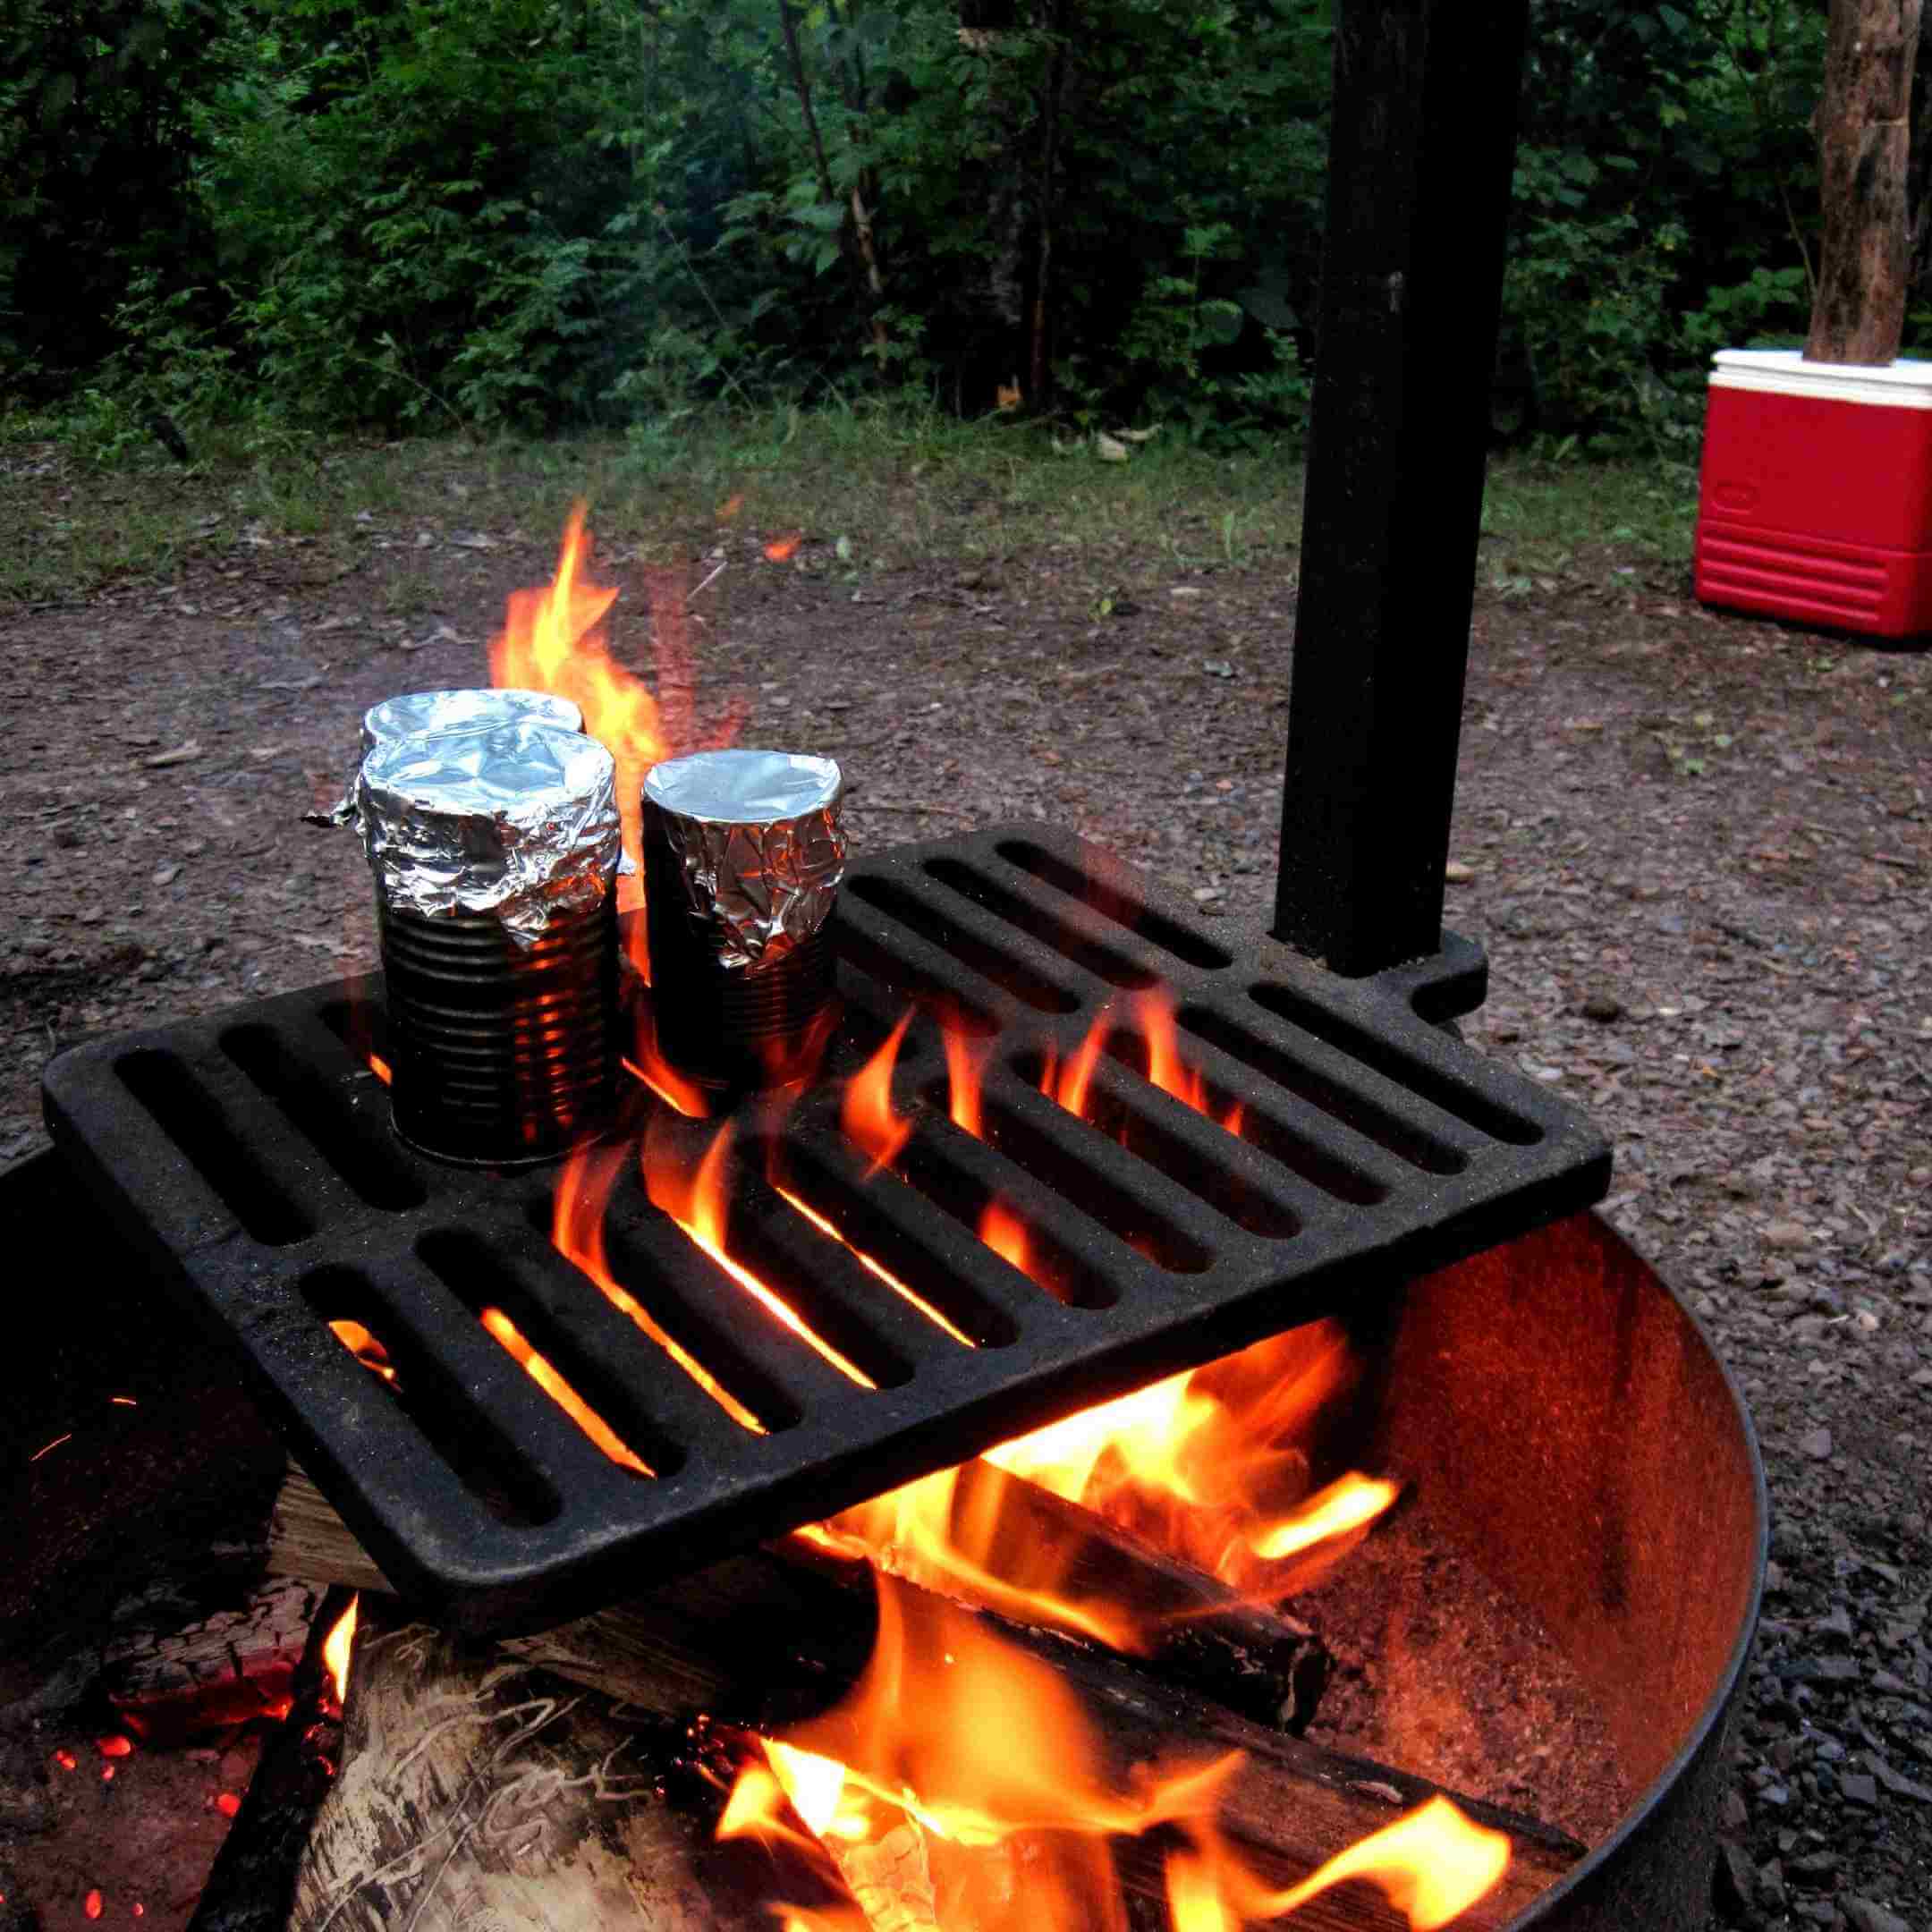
x,y
470,710
518,821
757,843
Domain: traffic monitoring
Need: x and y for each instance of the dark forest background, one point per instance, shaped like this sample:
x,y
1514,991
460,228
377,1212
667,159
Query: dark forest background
x,y
536,213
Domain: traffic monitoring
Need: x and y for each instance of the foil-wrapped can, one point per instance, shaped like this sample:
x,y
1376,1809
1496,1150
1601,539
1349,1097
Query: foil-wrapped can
x,y
494,853
743,854
516,821
469,709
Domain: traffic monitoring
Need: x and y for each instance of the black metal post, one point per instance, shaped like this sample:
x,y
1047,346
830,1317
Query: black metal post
x,y
1420,158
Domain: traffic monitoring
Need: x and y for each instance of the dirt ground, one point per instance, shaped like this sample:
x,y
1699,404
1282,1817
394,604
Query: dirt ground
x,y
1698,848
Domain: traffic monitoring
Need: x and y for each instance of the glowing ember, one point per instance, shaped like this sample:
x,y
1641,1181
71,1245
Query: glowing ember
x,y
697,1203
337,1647
106,1772
124,1401
365,1349
547,1378
65,1759
227,1803
138,1910
114,1745
782,549
380,1068
867,1115
92,1903
48,1448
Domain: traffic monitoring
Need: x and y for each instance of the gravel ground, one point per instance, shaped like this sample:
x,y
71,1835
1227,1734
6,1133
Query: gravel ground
x,y
1696,847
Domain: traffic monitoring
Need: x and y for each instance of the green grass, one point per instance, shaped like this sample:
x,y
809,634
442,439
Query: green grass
x,y
902,486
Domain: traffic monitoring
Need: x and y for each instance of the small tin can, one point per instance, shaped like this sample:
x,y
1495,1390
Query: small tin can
x,y
743,854
496,854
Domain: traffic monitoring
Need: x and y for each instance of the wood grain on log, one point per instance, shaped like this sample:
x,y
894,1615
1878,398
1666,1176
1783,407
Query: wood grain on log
x,y
1858,312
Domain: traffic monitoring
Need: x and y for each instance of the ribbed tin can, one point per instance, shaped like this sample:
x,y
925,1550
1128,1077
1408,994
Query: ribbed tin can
x,y
742,857
500,1053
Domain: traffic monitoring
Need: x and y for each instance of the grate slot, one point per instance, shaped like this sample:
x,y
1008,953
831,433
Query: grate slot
x,y
1127,1120
360,1021
966,938
420,1393
964,1177
1347,1104
324,1111
480,1277
485,1383
1038,922
1067,1156
1457,1098
896,1227
882,1332
864,953
197,1123
1322,1165
1112,902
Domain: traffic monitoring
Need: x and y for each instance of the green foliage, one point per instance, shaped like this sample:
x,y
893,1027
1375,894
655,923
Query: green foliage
x,y
278,219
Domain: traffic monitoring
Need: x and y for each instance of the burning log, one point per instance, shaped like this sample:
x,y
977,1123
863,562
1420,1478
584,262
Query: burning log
x,y
1262,1664
473,1785
249,1888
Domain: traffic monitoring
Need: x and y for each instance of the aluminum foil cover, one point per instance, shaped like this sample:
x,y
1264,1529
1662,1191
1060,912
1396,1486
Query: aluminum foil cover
x,y
518,821
445,710
462,710
757,840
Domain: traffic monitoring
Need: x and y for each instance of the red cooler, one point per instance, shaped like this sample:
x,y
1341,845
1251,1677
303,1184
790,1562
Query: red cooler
x,y
1816,496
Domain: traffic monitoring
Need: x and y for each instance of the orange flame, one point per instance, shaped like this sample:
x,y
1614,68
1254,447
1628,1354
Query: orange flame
x,y
1212,1464
583,1189
698,1204
544,1374
338,1646
1154,1010
381,1069
782,549
964,1080
867,1116
365,1349
1004,1233
960,1782
553,640
1069,1085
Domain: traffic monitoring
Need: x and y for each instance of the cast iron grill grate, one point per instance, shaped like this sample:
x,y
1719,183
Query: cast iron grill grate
x,y
252,1152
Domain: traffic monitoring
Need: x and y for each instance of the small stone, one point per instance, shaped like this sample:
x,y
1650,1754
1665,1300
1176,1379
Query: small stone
x,y
1816,1445
1863,1916
1786,1235
166,875
1858,1789
1603,1007
1735,1883
1458,874
1896,1783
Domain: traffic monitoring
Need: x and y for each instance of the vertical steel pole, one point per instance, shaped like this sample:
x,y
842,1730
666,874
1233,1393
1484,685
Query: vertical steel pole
x,y
1420,158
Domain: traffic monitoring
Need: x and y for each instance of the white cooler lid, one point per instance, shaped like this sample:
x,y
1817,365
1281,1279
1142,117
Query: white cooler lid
x,y
1902,384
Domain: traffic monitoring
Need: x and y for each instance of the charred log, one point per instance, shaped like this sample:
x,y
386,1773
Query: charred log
x,y
253,1882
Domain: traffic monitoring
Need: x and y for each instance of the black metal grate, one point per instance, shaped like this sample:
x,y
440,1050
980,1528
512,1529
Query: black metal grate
x,y
254,1153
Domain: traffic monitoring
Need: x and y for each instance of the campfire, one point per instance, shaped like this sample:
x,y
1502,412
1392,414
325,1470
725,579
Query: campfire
x,y
934,1390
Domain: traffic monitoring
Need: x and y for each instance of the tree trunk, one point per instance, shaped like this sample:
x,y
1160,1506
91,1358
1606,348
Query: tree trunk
x,y
1864,149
